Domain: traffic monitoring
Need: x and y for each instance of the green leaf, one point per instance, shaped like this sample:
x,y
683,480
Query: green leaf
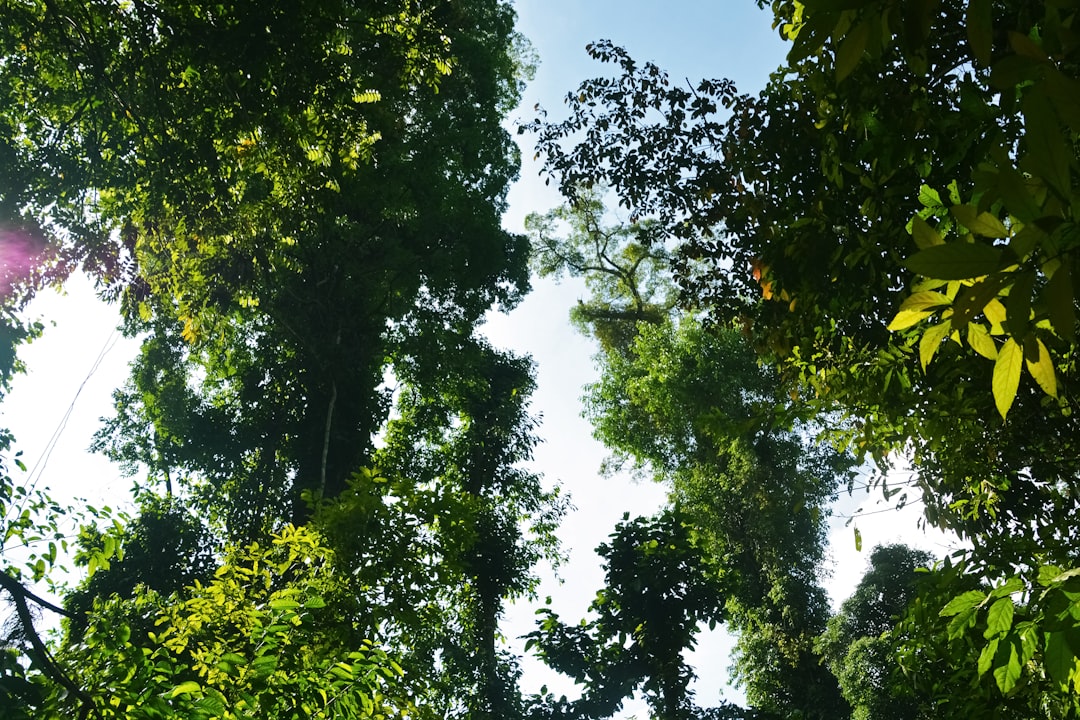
x,y
1047,153
955,261
924,235
929,197
999,618
1006,381
851,50
858,540
1014,190
1059,659
1060,301
187,688
983,224
1040,365
986,657
980,30
1007,665
1010,586
1018,304
963,602
1047,574
1026,47
284,604
1029,641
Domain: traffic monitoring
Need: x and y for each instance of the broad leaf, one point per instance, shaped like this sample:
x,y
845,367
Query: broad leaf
x,y
999,618
931,341
186,688
980,29
924,235
1007,375
955,261
1060,302
1007,665
1040,365
983,224
851,50
986,657
1059,659
980,341
963,602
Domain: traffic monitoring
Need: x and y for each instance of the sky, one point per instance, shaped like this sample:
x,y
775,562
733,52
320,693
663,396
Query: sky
x,y
75,366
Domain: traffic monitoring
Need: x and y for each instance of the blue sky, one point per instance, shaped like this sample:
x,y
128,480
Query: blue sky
x,y
690,40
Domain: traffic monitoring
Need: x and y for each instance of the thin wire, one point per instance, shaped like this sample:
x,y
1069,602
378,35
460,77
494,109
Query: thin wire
x,y
46,453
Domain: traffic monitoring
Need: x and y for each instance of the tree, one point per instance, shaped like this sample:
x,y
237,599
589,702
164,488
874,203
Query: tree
x,y
296,216
861,641
658,592
804,211
249,643
692,408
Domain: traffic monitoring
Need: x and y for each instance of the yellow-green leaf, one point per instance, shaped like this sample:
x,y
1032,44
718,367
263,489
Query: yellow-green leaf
x,y
1040,365
931,341
983,224
979,339
916,307
999,618
907,318
975,297
926,300
1007,368
1007,665
963,602
186,688
858,540
924,235
995,313
986,657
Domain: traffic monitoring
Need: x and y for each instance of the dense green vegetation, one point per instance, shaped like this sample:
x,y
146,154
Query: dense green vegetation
x,y
872,259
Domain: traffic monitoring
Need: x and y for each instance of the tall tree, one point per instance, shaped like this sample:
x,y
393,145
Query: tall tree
x,y
299,207
658,592
860,645
693,409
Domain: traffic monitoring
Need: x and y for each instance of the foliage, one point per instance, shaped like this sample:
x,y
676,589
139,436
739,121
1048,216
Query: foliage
x,y
238,202
928,146
450,526
658,592
1016,232
247,644
691,407
164,549
295,216
860,643
624,267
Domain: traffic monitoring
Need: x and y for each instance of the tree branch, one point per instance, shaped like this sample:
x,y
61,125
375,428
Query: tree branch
x,y
40,654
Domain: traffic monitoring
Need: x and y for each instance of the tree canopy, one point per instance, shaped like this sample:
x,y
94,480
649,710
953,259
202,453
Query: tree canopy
x,y
298,210
889,224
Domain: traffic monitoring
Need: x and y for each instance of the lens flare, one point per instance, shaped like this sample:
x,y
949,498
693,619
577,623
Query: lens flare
x,y
21,257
